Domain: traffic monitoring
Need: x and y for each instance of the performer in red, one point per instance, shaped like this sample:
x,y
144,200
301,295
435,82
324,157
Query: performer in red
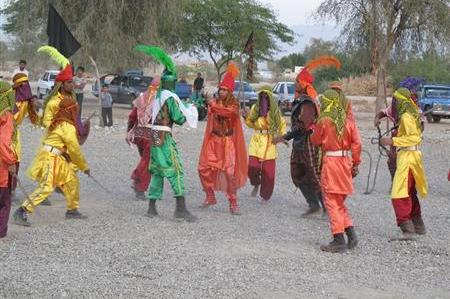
x,y
338,136
139,133
223,158
8,157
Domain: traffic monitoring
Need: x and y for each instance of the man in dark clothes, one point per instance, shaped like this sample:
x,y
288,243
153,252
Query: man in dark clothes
x,y
198,85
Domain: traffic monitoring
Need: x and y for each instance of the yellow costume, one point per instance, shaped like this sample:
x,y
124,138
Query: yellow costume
x,y
51,170
50,109
261,145
408,158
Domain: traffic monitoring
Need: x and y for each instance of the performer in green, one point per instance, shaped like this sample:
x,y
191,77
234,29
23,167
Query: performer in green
x,y
167,109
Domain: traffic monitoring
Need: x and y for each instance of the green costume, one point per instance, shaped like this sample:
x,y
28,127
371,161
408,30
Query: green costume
x,y
165,160
167,109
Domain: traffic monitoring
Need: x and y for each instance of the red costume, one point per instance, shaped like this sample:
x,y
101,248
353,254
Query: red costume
x,y
223,158
140,175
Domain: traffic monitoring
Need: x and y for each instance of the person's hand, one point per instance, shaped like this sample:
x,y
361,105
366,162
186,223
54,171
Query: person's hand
x,y
386,141
355,170
87,172
277,139
12,169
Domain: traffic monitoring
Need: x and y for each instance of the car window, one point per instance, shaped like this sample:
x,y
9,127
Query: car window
x,y
52,77
142,81
247,87
437,92
45,77
115,81
291,88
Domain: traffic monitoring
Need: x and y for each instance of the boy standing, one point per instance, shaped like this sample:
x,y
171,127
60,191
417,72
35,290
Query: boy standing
x,y
107,101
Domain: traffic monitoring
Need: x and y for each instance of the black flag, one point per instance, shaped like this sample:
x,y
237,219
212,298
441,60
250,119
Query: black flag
x,y
59,36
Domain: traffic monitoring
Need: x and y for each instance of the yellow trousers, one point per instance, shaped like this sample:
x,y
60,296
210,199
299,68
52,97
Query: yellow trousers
x,y
70,189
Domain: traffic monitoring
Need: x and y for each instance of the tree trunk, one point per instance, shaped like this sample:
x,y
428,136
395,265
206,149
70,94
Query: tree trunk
x,y
381,102
97,79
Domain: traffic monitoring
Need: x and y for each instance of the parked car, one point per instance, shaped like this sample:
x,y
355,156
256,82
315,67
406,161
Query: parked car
x,y
183,90
285,93
123,88
248,94
46,83
435,100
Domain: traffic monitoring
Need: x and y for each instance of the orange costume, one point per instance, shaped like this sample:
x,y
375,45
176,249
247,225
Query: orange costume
x,y
223,158
338,135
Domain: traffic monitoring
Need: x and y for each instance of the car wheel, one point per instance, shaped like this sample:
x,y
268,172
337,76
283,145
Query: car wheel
x,y
429,116
436,118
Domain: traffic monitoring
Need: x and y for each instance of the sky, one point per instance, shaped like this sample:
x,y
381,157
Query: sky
x,y
294,12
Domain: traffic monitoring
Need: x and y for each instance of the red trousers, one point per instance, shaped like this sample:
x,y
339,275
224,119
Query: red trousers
x,y
409,207
262,173
5,208
337,212
141,175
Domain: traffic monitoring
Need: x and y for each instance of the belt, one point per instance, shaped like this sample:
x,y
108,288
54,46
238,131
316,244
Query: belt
x,y
264,132
161,128
52,150
342,153
409,148
223,134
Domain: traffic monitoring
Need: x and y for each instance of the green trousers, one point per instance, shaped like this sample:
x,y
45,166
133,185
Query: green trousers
x,y
157,186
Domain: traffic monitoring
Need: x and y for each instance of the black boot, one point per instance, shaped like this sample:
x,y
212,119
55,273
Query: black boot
x,y
20,217
407,227
336,246
139,195
181,212
311,211
75,214
419,226
351,236
152,212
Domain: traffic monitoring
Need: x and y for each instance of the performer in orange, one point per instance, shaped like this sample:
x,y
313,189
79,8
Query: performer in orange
x,y
223,158
338,136
8,157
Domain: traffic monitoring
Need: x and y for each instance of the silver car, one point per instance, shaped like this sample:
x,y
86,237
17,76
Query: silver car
x,y
285,93
247,94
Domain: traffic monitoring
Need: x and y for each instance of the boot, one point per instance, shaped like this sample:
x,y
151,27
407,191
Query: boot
x,y
75,214
234,207
139,195
152,212
46,202
311,211
20,217
181,212
255,191
351,236
407,227
419,226
336,246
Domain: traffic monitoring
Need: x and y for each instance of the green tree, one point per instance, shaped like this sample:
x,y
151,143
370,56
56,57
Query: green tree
x,y
291,60
106,29
378,26
220,29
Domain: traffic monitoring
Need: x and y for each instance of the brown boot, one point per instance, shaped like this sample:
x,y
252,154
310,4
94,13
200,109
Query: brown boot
x,y
351,237
419,226
338,244
407,227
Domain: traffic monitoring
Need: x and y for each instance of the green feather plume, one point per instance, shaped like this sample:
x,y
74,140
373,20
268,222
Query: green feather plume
x,y
158,54
54,54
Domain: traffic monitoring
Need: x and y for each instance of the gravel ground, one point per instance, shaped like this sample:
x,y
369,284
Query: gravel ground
x,y
268,252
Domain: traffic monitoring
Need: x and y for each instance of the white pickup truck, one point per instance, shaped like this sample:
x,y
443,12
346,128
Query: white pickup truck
x,y
46,83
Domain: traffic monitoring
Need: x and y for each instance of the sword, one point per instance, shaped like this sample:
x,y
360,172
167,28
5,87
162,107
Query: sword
x,y
22,189
100,185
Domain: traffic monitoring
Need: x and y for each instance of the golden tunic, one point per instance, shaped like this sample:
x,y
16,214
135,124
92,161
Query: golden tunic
x,y
261,145
409,135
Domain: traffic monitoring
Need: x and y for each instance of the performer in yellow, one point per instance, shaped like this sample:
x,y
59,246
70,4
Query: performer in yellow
x,y
267,120
410,176
60,155
51,168
25,107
